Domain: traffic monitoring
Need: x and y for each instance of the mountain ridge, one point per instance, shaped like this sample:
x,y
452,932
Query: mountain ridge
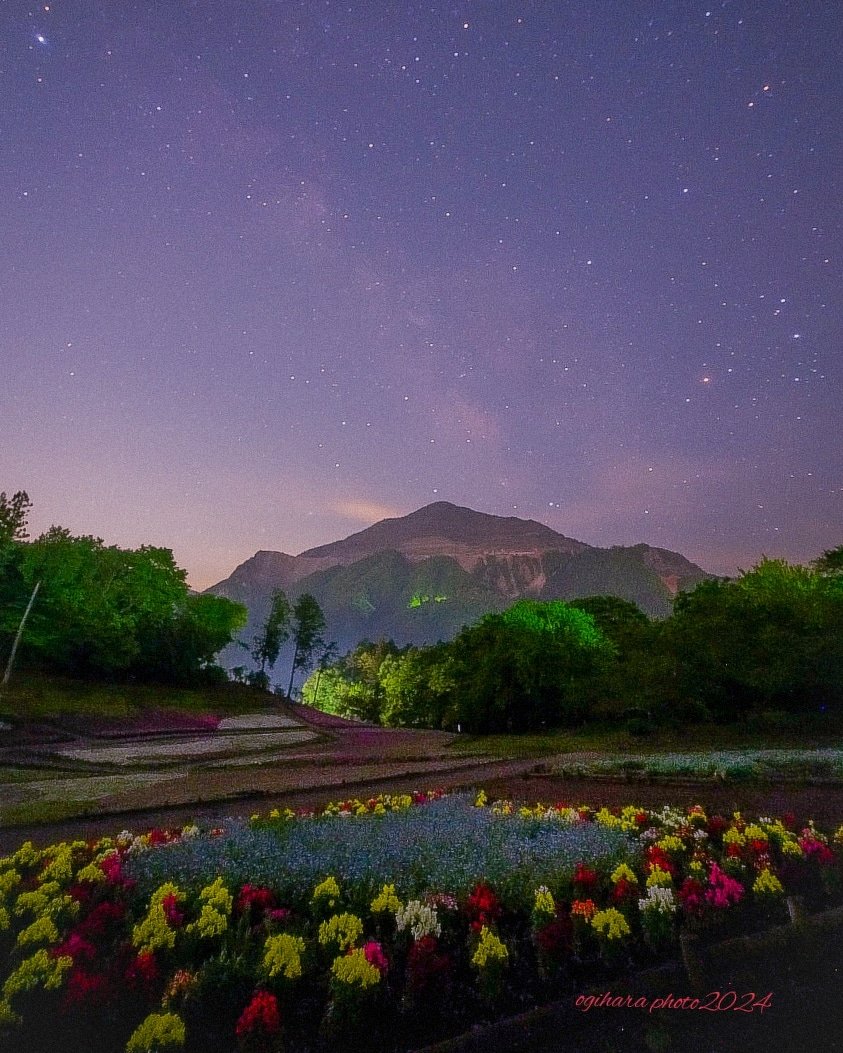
x,y
420,577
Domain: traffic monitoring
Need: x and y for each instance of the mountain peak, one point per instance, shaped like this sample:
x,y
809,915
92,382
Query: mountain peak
x,y
429,530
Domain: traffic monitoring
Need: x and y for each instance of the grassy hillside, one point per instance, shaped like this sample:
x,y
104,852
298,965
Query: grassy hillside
x,y
38,695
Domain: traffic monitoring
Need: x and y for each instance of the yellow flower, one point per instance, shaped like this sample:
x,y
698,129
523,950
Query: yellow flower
x,y
355,970
60,865
671,843
733,837
158,1032
791,847
610,923
155,932
216,903
92,872
659,877
9,879
47,900
622,872
754,833
26,856
481,799
605,818
328,890
490,950
342,929
282,956
544,902
39,970
767,884
42,930
386,901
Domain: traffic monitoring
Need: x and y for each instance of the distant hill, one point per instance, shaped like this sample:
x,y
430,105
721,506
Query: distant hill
x,y
421,577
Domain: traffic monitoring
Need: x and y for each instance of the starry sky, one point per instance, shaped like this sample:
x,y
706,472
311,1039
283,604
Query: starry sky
x,y
271,271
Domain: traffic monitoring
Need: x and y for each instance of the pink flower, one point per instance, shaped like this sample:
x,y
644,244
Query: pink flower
x,y
723,891
77,948
816,849
169,904
375,956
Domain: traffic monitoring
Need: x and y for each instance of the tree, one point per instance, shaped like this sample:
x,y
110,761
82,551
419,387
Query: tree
x,y
352,686
308,626
533,665
108,612
830,562
417,686
276,630
770,640
15,595
328,656
13,516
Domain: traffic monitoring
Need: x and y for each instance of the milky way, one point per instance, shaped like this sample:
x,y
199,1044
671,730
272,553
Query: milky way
x,y
272,271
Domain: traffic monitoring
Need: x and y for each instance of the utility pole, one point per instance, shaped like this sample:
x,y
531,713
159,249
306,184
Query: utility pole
x,y
19,634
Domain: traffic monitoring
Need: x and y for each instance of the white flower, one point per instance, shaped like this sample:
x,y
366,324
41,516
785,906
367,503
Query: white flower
x,y
658,899
419,918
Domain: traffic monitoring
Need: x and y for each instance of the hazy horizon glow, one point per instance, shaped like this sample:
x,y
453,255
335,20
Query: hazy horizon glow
x,y
272,272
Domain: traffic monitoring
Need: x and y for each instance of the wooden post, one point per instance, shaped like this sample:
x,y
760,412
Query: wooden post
x,y
689,945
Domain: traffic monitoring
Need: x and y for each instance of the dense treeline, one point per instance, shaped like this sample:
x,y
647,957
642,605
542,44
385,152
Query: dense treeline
x,y
103,612
768,642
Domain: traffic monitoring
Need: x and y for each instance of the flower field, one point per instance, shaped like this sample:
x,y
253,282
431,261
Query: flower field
x,y
731,765
389,922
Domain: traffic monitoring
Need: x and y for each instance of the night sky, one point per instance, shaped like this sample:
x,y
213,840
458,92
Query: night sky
x,y
271,271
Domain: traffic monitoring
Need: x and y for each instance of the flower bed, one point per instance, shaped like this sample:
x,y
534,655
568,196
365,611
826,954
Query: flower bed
x,y
731,765
389,922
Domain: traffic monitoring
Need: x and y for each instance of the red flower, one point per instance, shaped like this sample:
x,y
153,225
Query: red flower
x,y
555,938
585,877
111,866
255,900
260,1019
624,889
733,850
657,857
816,850
104,916
159,837
142,971
691,895
427,968
483,900
716,825
84,988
